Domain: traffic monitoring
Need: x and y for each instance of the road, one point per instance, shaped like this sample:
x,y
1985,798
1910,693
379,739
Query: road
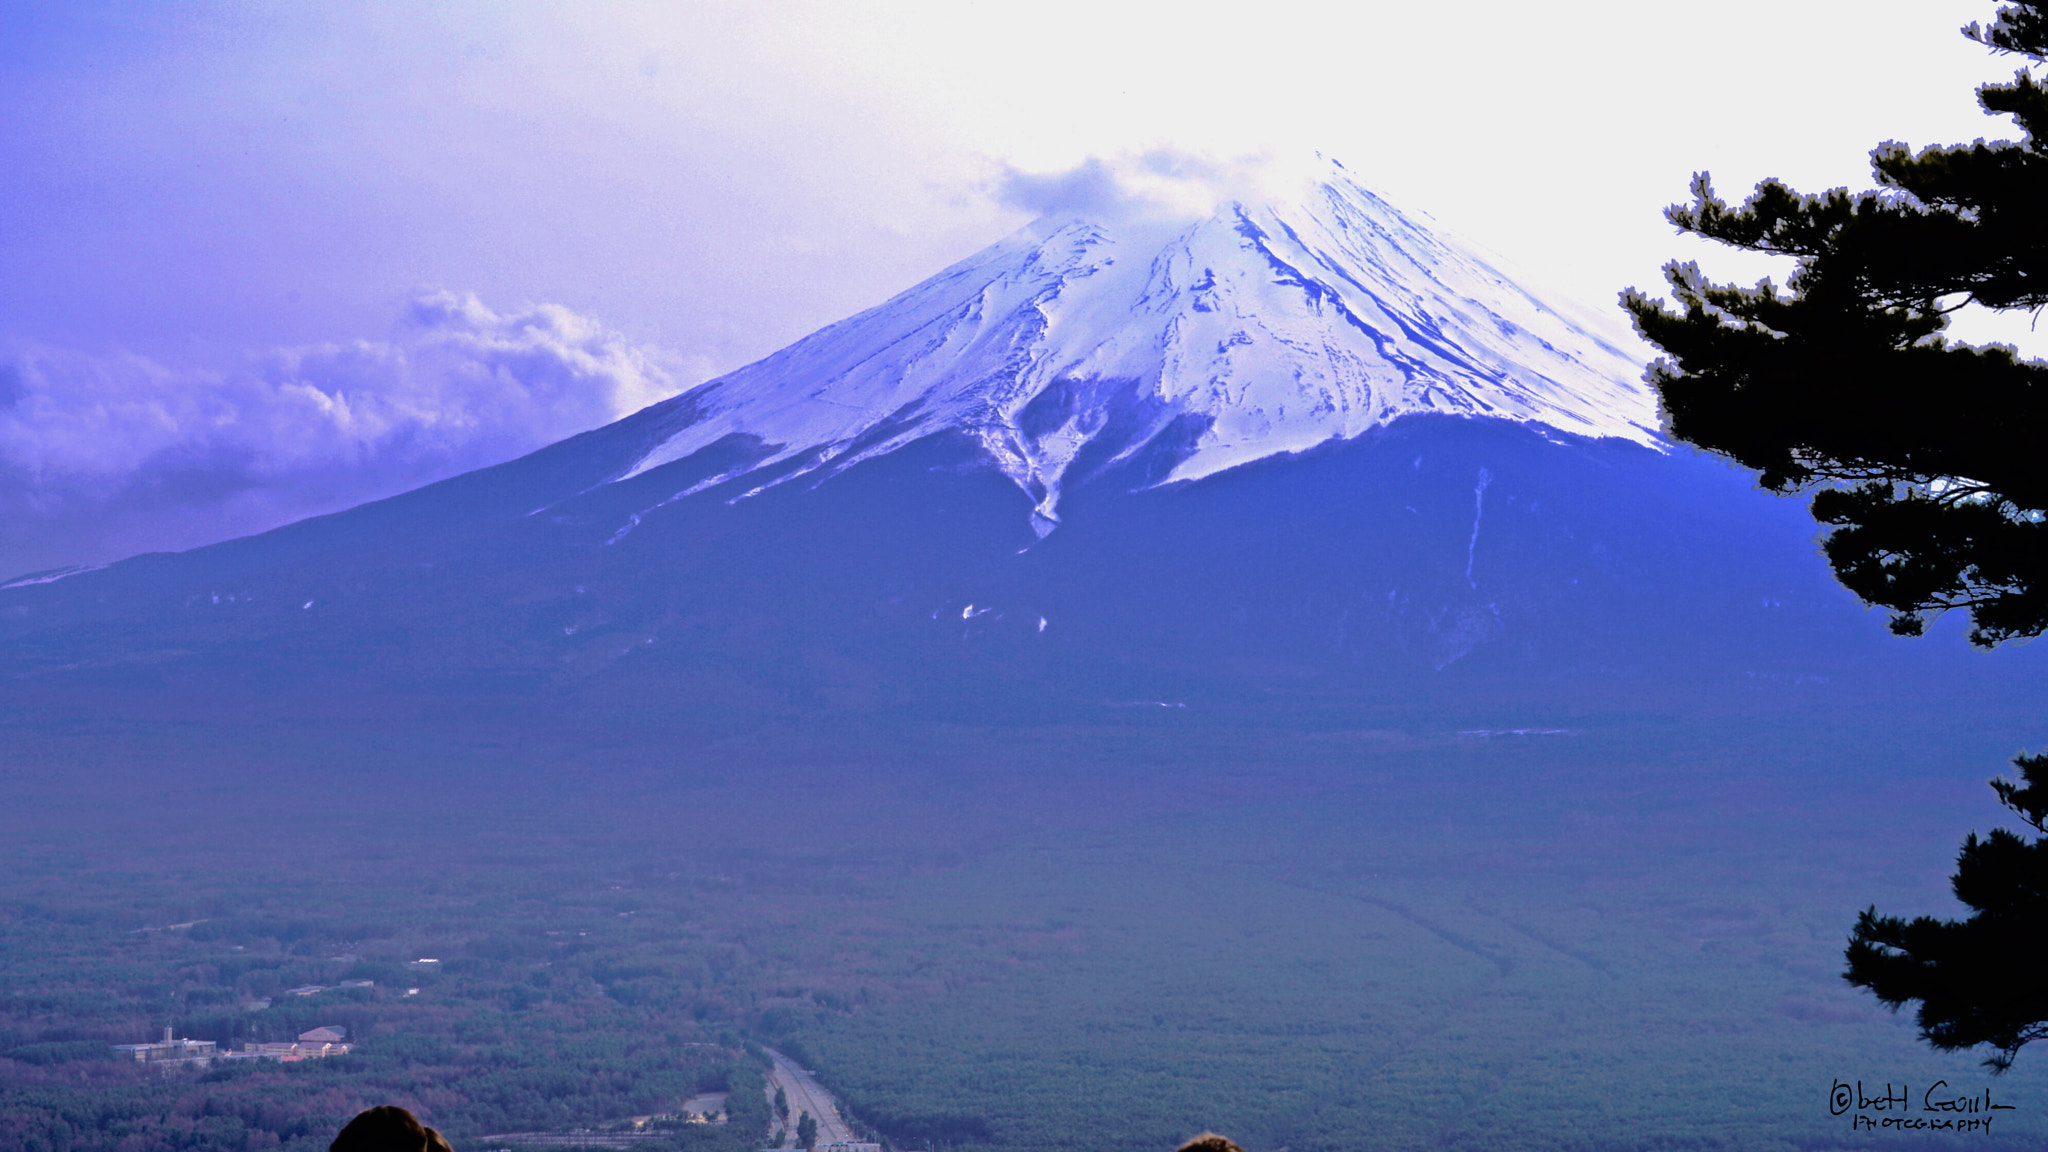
x,y
805,1095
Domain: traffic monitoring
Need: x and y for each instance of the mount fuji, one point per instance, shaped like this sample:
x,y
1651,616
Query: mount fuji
x,y
1072,347
1299,441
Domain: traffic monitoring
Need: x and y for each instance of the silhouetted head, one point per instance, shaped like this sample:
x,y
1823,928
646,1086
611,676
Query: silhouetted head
x,y
1210,1142
387,1128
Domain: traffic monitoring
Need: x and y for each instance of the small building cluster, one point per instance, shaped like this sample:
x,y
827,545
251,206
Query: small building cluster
x,y
312,1045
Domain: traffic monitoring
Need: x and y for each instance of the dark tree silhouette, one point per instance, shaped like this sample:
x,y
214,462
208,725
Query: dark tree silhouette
x,y
1979,981
1923,456
1924,452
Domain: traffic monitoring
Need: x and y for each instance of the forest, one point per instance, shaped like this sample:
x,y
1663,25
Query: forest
x,y
1617,928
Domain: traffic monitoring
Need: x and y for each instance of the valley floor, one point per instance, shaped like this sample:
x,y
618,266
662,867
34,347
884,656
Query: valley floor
x,y
1488,930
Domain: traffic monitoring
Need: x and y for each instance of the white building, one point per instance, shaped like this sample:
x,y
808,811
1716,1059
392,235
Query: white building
x,y
168,1050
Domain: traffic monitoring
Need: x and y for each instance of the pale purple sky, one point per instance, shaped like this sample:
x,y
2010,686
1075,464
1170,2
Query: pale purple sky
x,y
262,261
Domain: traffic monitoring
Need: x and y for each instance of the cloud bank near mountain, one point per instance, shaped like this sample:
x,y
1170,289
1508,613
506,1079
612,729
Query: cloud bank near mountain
x,y
104,456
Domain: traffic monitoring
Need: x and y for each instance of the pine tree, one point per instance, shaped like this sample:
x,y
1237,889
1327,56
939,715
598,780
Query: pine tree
x,y
1923,458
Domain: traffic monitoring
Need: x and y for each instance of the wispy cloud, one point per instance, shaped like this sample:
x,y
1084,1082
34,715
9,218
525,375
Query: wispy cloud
x,y
1163,184
101,456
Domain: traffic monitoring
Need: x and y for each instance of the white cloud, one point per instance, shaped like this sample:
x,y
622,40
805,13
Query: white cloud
x,y
1161,184
101,456
1089,188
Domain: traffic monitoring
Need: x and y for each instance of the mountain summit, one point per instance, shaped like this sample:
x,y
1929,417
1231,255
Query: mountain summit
x,y
1078,345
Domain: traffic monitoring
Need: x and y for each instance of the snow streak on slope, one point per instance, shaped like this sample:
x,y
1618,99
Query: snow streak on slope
x,y
1075,346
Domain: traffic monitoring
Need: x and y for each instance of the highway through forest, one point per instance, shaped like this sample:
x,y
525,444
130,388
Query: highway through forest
x,y
805,1095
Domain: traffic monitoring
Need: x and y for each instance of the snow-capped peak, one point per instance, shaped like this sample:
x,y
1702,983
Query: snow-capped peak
x,y
1077,344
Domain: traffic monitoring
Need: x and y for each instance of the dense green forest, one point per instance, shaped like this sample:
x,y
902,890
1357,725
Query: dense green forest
x,y
522,1029
1518,931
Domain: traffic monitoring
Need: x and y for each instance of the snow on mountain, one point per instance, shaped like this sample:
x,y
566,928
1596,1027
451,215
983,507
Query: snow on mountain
x,y
1077,345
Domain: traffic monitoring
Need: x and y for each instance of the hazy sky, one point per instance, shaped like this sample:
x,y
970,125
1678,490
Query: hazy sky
x,y
265,260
